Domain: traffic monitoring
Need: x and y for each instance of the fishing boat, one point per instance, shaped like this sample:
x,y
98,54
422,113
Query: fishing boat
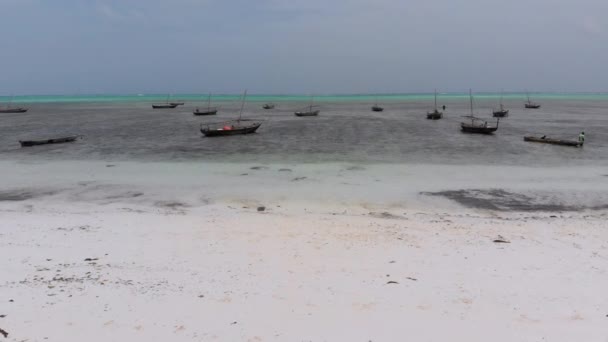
x,y
166,105
477,125
177,103
28,143
237,127
13,110
529,104
268,106
9,109
545,140
435,114
376,107
208,111
308,111
501,112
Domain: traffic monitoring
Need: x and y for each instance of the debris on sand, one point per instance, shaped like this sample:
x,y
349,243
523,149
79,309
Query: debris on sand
x,y
258,168
392,282
298,179
261,208
91,259
412,279
501,239
285,170
4,333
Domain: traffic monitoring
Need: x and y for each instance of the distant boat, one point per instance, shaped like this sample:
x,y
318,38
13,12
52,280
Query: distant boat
x,y
28,143
529,104
435,114
268,106
477,125
165,105
236,127
376,107
546,140
208,111
177,103
501,112
9,109
308,111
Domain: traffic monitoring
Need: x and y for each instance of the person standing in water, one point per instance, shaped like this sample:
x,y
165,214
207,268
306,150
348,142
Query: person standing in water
x,y
581,138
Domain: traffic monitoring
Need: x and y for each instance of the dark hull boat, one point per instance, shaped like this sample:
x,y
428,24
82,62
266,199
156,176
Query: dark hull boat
x,y
531,105
434,115
177,103
268,106
307,113
13,110
164,106
28,143
227,129
500,113
208,111
477,128
545,140
377,108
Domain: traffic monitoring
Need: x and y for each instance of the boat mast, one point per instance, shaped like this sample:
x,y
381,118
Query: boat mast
x,y
242,104
435,100
209,102
471,103
312,98
501,106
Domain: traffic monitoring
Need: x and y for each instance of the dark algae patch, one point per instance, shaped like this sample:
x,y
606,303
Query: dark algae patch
x,y
502,200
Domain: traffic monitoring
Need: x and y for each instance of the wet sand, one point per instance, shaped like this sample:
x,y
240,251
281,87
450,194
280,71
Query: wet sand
x,y
102,251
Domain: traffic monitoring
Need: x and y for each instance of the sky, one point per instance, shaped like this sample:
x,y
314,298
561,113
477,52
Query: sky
x,y
302,46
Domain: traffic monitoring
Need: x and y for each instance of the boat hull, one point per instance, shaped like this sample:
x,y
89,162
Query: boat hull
x,y
434,115
268,107
313,113
29,143
532,106
176,103
205,112
475,129
571,143
228,132
501,113
377,109
167,106
13,110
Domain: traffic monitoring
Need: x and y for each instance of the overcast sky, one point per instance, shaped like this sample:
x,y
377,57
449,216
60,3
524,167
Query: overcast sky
x,y
302,46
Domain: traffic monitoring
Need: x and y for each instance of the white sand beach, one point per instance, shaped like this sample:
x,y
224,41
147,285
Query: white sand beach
x,y
118,251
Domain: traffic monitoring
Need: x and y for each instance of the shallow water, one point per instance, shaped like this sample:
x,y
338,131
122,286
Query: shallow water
x,y
345,131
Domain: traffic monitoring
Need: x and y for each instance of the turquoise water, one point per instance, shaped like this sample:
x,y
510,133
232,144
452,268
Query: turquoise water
x,y
292,98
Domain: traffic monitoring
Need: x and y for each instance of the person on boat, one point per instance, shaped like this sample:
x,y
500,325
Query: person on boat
x,y
543,137
485,124
581,138
443,107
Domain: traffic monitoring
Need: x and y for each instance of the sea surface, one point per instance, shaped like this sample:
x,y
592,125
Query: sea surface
x,y
127,128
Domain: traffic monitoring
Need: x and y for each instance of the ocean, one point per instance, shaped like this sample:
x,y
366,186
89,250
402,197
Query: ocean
x,y
127,128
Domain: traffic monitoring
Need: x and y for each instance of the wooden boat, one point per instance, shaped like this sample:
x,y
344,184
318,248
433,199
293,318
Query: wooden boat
x,y
268,106
9,109
501,112
376,107
163,106
309,111
166,105
435,114
177,103
529,104
477,125
546,140
28,143
237,127
230,128
13,110
208,111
